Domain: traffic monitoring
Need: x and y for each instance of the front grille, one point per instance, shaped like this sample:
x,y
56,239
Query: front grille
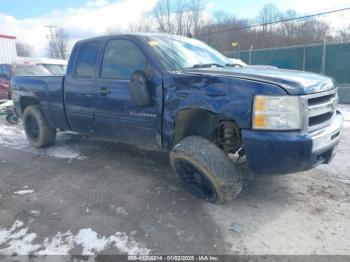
x,y
317,120
320,109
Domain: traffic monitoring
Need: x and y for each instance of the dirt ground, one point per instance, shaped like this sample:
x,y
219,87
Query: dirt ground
x,y
85,196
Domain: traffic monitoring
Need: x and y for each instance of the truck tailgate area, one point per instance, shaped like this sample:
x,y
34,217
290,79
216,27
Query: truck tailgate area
x,y
45,90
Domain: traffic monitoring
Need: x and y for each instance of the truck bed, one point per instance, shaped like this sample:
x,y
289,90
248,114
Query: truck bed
x,y
45,90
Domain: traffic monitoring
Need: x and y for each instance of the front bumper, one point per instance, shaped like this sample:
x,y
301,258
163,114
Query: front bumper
x,y
271,152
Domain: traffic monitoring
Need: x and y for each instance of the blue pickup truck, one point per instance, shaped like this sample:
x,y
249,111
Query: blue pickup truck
x,y
181,96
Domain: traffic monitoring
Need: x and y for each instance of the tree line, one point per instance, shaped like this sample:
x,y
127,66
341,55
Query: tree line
x,y
222,30
182,17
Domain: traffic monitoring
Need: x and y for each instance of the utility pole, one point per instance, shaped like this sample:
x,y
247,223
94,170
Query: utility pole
x,y
52,42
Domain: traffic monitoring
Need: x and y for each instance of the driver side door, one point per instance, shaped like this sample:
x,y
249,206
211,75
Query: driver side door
x,y
115,115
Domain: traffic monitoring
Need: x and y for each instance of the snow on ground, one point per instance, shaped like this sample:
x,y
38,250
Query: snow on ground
x,y
24,192
13,136
340,165
18,240
345,110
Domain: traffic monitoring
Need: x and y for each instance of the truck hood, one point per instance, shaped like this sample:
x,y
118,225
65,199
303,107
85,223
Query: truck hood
x,y
292,81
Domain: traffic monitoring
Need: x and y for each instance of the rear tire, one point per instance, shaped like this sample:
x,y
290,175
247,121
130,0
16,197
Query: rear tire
x,y
39,133
206,171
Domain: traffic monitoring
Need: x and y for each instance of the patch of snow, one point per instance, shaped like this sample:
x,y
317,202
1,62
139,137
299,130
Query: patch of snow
x,y
90,242
60,244
17,240
21,245
340,165
35,212
8,103
122,211
127,245
62,151
13,136
345,110
4,234
24,192
236,228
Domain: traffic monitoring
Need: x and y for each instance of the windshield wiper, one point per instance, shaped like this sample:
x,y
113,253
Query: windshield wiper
x,y
233,65
206,65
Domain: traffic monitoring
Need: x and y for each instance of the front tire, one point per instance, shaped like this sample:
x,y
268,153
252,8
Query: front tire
x,y
39,133
206,171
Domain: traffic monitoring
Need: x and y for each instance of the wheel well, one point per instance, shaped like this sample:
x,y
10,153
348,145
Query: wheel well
x,y
209,125
28,101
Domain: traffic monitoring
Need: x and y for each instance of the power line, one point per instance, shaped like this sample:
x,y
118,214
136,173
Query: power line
x,y
274,22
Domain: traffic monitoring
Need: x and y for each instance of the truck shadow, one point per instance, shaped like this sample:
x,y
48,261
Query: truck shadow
x,y
117,187
155,164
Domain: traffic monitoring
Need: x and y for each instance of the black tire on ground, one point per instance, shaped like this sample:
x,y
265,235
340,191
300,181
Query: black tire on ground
x,y
206,171
39,133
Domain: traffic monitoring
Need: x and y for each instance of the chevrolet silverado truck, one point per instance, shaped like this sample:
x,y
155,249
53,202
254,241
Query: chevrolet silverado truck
x,y
181,96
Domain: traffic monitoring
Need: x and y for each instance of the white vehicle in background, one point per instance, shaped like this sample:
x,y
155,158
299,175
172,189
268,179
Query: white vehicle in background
x,y
55,66
240,63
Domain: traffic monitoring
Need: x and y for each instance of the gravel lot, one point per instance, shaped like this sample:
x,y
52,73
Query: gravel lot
x,y
84,196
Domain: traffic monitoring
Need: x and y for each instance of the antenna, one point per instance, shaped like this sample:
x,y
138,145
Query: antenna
x,y
173,51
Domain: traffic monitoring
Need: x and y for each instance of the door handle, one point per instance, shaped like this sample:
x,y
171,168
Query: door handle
x,y
104,91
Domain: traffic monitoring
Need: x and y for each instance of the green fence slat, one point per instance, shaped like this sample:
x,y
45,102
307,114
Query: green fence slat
x,y
313,58
338,62
337,59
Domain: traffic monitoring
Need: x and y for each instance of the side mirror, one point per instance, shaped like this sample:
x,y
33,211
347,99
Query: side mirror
x,y
139,90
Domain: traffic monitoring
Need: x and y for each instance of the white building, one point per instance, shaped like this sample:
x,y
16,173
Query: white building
x,y
8,52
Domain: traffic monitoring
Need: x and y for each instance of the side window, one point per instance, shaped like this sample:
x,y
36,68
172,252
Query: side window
x,y
86,60
121,59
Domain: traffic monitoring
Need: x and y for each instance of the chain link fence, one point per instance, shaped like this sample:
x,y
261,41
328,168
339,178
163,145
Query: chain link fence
x,y
326,59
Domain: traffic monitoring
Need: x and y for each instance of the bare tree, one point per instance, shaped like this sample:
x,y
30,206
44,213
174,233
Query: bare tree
x,y
343,35
180,17
312,31
162,13
62,43
24,49
288,28
146,24
196,8
268,14
59,45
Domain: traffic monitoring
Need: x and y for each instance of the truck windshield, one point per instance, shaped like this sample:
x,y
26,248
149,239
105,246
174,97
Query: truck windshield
x,y
29,70
176,52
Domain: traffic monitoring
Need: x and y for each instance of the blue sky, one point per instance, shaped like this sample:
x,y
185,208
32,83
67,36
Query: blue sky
x,y
32,8
26,19
22,9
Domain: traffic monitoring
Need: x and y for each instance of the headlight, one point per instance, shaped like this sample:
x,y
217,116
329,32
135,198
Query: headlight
x,y
276,113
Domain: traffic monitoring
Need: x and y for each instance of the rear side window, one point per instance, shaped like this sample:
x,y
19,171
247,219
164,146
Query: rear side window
x,y
121,59
86,60
29,70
